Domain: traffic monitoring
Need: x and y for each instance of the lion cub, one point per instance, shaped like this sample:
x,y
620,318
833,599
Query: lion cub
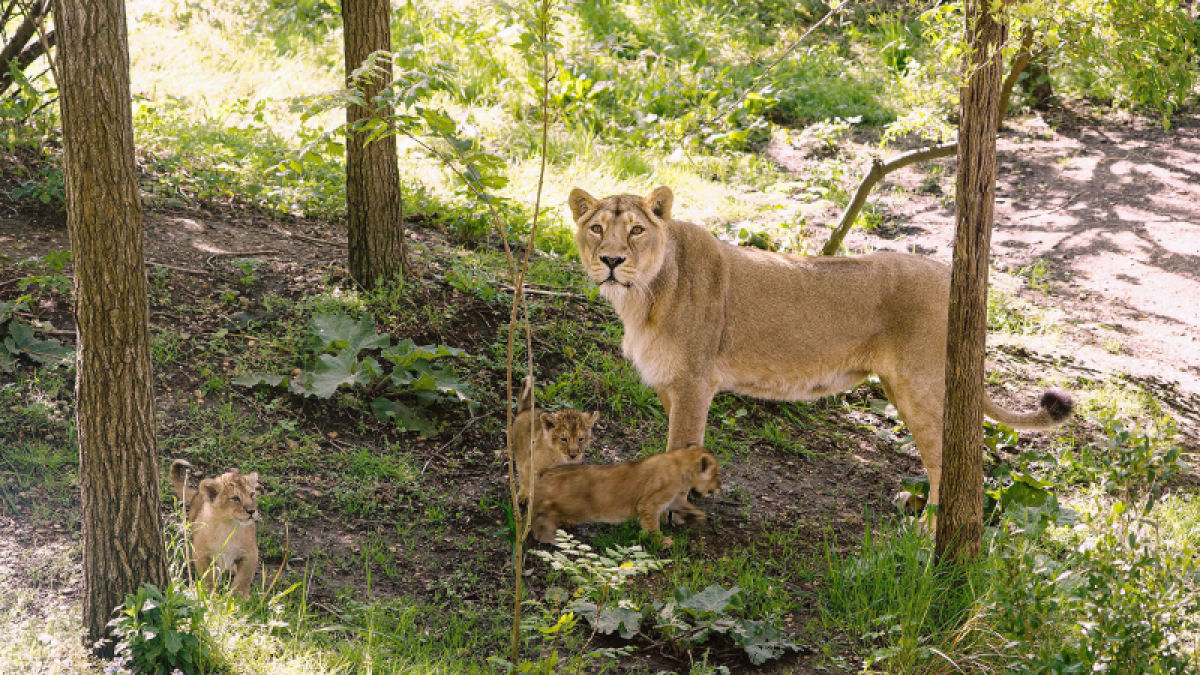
x,y
559,437
222,514
643,489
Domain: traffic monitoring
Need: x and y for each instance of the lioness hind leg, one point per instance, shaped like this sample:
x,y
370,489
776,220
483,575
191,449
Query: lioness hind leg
x,y
922,413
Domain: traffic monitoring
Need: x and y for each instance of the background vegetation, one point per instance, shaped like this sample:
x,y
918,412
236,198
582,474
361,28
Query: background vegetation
x,y
387,521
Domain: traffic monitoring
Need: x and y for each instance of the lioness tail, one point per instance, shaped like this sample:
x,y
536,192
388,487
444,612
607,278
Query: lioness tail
x,y
1053,409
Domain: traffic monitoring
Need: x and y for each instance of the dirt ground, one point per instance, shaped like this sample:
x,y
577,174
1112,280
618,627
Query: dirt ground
x,y
1112,207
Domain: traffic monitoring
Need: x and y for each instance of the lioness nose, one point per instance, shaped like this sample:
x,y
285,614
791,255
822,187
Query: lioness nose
x,y
612,260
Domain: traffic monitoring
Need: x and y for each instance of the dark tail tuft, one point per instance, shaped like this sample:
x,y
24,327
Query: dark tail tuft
x,y
1058,404
525,402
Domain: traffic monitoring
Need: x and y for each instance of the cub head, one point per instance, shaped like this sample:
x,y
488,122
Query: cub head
x,y
622,239
706,471
234,495
569,432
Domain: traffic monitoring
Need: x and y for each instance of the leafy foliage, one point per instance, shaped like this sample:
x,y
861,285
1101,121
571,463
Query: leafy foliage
x,y
18,341
340,349
163,632
688,620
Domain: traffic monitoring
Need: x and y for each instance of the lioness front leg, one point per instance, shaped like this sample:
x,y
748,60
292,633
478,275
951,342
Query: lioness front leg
x,y
687,413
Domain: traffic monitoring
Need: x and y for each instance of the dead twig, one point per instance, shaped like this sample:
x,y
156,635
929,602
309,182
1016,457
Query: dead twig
x,y
185,270
1056,209
541,291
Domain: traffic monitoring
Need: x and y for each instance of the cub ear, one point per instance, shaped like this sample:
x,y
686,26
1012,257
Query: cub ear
x,y
580,203
707,464
252,479
659,202
593,416
210,488
547,420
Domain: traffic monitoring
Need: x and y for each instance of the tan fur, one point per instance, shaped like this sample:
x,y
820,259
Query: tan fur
x,y
559,437
222,513
702,316
614,493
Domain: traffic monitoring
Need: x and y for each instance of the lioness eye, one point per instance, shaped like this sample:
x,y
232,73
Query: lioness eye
x,y
597,229
637,229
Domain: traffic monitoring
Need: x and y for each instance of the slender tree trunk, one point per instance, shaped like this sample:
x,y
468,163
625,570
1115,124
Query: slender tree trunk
x,y
118,462
960,515
373,206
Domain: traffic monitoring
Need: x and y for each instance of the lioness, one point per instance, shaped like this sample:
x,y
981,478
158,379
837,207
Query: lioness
x,y
559,437
614,493
222,513
702,316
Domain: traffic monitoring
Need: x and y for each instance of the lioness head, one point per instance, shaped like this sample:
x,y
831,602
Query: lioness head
x,y
707,477
622,239
233,495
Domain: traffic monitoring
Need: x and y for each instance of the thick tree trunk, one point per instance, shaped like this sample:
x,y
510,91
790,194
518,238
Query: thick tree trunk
x,y
960,514
118,462
373,206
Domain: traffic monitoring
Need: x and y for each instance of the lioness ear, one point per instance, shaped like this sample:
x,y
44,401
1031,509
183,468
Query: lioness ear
x,y
659,202
211,488
580,202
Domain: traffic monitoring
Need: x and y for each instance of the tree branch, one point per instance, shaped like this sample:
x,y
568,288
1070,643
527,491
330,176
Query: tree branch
x,y
879,168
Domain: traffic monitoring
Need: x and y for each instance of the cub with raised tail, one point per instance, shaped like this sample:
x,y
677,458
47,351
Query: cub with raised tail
x,y
222,513
542,439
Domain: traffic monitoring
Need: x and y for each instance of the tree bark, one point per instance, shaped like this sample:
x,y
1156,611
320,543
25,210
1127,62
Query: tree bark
x,y
960,514
114,397
374,210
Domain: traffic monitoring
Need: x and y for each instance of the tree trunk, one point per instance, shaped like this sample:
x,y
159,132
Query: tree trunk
x,y
118,460
373,207
960,514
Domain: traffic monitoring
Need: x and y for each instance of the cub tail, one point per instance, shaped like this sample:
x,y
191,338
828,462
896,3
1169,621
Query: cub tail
x,y
525,402
179,470
1054,408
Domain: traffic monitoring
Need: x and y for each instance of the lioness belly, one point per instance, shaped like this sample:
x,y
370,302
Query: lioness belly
x,y
784,386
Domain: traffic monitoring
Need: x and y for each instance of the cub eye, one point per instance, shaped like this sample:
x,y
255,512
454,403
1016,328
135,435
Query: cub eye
x,y
563,439
597,229
236,499
637,229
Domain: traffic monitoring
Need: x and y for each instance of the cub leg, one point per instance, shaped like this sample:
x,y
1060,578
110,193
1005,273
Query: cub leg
x,y
649,516
544,528
204,568
244,574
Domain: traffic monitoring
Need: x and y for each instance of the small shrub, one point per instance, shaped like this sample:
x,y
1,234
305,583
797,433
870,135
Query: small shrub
x,y
336,359
163,632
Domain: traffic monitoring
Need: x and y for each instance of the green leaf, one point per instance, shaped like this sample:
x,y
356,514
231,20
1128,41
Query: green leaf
x,y
405,417
172,642
255,379
339,331
331,372
712,599
21,340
